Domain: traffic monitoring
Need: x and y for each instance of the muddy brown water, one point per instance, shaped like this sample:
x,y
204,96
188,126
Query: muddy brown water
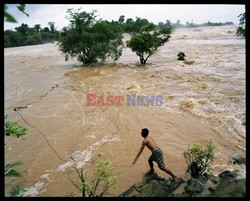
x,y
202,101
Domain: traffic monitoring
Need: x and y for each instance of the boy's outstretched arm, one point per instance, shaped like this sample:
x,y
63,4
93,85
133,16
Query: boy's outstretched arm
x,y
139,153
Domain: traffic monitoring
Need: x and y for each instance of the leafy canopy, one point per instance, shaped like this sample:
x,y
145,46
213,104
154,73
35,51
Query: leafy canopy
x,y
133,27
88,39
241,29
148,40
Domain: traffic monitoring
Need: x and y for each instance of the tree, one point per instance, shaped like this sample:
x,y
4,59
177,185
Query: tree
x,y
199,159
160,25
24,35
121,19
23,29
51,26
102,179
128,25
12,38
46,29
138,24
241,29
133,27
88,39
37,27
148,40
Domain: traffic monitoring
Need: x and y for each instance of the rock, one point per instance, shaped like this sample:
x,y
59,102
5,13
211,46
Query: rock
x,y
229,174
204,178
183,194
232,189
148,177
194,187
229,185
211,189
214,179
227,177
152,186
130,192
153,189
239,160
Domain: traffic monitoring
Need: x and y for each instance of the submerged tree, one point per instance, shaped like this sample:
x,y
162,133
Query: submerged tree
x,y
146,42
88,39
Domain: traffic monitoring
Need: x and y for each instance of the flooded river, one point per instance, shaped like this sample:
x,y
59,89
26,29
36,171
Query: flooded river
x,y
201,101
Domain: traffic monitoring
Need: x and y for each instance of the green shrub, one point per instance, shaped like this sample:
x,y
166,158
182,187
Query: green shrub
x,y
102,179
17,191
103,175
199,159
13,129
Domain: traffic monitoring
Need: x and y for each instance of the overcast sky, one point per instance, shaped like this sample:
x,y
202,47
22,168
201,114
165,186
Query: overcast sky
x,y
44,13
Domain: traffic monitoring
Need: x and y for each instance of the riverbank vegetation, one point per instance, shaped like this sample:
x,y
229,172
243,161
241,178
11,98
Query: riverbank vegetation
x,y
13,129
24,35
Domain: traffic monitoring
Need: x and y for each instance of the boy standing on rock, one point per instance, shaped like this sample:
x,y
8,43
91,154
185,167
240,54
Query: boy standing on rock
x,y
156,156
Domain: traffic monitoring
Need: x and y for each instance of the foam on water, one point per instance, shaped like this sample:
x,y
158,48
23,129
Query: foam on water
x,y
202,100
33,190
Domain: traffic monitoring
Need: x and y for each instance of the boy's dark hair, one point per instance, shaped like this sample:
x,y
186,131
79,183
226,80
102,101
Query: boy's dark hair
x,y
144,132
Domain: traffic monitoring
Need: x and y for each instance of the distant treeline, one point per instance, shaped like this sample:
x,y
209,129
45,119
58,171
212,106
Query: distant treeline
x,y
192,25
25,35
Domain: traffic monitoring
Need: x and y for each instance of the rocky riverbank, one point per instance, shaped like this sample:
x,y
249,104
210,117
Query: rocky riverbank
x,y
229,183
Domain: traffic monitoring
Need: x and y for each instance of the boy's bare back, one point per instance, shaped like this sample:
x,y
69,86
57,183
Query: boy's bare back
x,y
150,143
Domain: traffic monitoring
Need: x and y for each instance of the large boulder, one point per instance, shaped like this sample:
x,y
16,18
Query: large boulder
x,y
239,160
230,185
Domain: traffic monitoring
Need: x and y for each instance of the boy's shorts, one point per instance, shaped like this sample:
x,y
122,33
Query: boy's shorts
x,y
157,156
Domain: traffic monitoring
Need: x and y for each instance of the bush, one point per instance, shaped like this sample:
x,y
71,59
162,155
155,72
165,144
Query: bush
x,y
13,129
102,179
104,175
17,191
199,159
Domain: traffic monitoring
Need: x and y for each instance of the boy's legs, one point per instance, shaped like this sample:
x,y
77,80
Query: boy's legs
x,y
150,162
170,173
161,165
